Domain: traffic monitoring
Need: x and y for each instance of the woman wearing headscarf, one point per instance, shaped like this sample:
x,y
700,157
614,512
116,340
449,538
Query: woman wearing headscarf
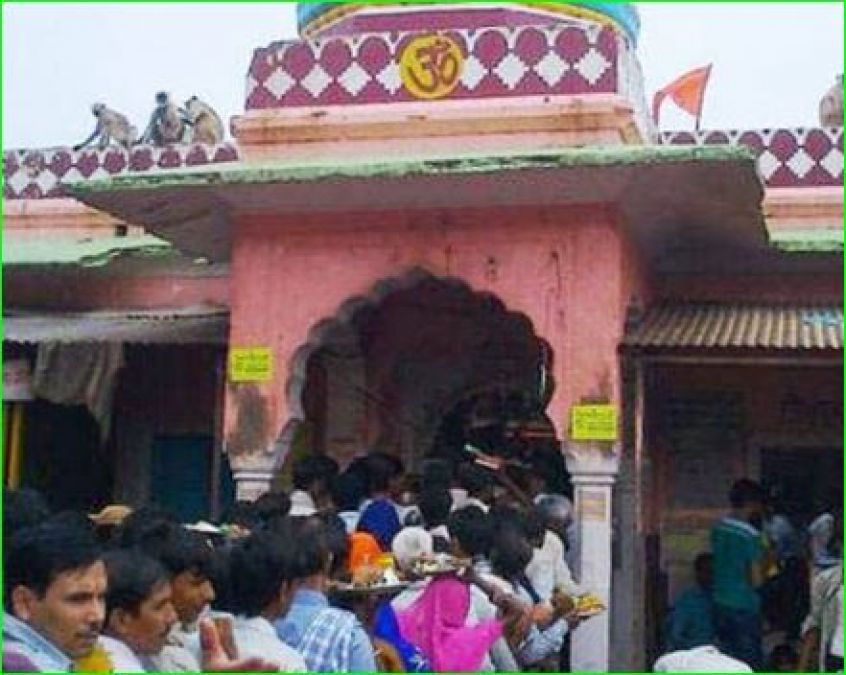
x,y
413,543
439,622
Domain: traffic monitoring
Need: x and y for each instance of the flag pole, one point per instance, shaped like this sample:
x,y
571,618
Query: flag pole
x,y
702,102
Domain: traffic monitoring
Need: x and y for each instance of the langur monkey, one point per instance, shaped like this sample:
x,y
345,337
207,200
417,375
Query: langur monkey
x,y
167,123
831,106
205,122
111,127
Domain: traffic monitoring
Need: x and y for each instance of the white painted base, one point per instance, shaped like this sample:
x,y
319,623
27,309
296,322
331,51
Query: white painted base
x,y
250,485
593,472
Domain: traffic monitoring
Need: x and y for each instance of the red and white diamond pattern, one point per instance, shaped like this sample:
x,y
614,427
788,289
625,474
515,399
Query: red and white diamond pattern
x,y
39,174
786,157
500,61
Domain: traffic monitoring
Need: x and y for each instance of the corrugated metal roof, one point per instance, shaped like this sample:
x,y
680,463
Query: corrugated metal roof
x,y
723,326
199,325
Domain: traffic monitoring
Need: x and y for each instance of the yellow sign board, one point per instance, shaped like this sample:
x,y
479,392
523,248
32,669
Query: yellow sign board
x,y
431,66
251,364
594,423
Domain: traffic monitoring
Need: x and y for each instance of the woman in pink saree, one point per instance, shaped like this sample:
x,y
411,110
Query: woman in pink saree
x,y
437,623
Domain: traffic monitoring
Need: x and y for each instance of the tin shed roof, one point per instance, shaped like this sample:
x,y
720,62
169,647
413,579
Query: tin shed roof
x,y
198,325
739,327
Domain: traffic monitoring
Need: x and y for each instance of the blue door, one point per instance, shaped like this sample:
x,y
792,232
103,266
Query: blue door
x,y
180,476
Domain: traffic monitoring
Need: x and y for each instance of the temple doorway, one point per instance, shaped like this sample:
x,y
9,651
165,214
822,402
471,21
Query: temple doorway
x,y
423,370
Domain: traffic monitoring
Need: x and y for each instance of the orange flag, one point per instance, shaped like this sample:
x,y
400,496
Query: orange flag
x,y
687,92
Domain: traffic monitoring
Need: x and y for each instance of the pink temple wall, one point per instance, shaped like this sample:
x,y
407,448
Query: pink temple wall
x,y
565,270
763,391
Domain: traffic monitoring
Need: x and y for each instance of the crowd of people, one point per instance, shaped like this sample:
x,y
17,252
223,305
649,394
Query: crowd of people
x,y
325,578
332,577
764,577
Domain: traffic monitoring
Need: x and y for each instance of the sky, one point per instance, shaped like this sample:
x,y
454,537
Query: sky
x,y
771,62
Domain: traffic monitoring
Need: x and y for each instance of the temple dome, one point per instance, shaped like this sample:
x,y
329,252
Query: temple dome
x,y
314,18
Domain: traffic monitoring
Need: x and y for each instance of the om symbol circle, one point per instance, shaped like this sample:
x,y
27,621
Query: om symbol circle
x,y
431,66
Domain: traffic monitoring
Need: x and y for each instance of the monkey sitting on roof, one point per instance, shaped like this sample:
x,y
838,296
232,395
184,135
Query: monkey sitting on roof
x,y
205,122
831,106
168,123
111,127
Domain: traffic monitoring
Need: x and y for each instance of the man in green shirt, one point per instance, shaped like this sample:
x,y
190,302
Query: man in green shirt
x,y
739,563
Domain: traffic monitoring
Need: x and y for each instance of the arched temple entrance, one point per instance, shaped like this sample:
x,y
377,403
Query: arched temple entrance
x,y
419,367
344,284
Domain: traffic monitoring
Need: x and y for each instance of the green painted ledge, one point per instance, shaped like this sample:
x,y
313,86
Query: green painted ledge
x,y
88,252
245,174
808,241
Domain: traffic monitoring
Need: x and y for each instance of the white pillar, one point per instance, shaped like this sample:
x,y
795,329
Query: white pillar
x,y
251,484
593,470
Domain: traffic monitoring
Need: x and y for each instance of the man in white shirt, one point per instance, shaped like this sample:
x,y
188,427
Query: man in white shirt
x,y
705,659
836,649
822,632
261,573
820,532
548,569
557,511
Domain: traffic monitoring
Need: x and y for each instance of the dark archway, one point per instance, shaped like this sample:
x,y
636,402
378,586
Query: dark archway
x,y
409,366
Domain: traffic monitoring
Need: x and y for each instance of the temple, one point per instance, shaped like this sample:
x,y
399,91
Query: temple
x,y
430,217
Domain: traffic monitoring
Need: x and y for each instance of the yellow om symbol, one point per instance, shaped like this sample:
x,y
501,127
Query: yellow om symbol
x,y
431,66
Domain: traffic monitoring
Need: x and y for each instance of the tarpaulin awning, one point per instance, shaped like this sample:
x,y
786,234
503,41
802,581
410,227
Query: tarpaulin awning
x,y
738,327
198,325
